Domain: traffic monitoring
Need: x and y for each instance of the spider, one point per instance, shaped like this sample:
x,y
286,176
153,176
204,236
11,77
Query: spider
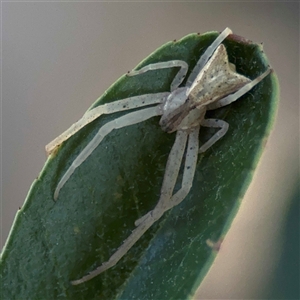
x,y
213,83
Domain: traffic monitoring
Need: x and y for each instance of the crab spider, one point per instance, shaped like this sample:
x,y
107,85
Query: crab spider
x,y
213,83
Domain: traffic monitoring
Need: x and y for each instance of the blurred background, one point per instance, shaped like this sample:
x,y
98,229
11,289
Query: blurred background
x,y
59,57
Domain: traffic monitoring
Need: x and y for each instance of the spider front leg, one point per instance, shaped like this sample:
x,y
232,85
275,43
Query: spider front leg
x,y
166,201
171,174
189,169
108,108
174,162
121,251
126,120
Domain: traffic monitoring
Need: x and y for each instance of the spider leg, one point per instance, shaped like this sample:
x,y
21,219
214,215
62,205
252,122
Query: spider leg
x,y
109,108
233,97
166,65
189,168
166,203
171,174
121,251
126,120
217,123
206,55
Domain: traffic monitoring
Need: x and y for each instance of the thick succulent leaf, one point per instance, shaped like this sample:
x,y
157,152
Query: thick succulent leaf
x,y
52,242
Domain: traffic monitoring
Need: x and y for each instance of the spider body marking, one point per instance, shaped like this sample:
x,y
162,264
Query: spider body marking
x,y
213,83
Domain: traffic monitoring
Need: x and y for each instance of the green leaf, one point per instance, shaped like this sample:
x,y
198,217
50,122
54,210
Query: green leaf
x,y
52,243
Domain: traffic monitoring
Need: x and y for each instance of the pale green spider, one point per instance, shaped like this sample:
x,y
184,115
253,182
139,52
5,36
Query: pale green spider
x,y
213,83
